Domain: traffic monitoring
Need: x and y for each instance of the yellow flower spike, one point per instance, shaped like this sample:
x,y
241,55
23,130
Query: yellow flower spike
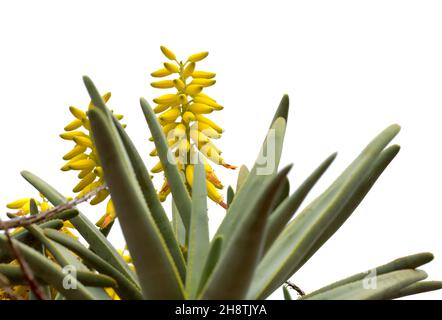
x,y
211,176
169,54
78,149
87,180
166,99
83,164
76,158
157,168
203,74
18,203
161,107
77,113
212,193
170,115
180,113
198,56
188,116
200,108
193,89
164,84
179,85
203,82
188,71
73,125
161,73
83,141
172,68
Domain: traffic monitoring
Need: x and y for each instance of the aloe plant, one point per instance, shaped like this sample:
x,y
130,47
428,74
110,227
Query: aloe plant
x,y
257,248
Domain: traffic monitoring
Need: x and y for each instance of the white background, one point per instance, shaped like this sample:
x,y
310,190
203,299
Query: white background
x,y
350,67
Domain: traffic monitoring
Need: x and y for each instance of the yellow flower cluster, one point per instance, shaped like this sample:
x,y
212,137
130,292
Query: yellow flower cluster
x,y
23,207
182,116
83,158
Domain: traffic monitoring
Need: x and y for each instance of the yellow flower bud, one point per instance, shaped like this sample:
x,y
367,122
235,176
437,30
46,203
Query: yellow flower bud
x,y
83,164
188,116
18,203
157,168
166,99
200,99
212,124
100,197
203,74
87,180
71,135
172,68
161,73
73,125
170,115
203,82
188,71
74,152
182,99
83,141
179,85
200,108
169,54
165,84
193,90
77,113
198,56
160,108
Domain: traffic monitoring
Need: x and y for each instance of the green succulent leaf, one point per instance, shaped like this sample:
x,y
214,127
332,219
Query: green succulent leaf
x,y
153,202
385,286
174,177
237,263
211,261
158,275
291,249
242,176
47,270
285,211
408,262
126,289
264,170
230,195
417,287
283,109
97,241
198,233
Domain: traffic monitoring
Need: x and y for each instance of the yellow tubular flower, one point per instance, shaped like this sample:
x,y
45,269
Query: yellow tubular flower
x,y
181,114
83,156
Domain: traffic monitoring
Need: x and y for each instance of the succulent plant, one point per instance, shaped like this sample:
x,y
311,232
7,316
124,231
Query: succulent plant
x,y
257,248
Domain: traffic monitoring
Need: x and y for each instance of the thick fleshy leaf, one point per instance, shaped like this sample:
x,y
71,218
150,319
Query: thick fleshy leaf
x,y
153,202
47,270
158,276
285,211
87,278
198,247
418,287
283,109
178,226
316,223
380,287
125,289
409,262
230,195
264,170
211,261
238,261
173,175
97,241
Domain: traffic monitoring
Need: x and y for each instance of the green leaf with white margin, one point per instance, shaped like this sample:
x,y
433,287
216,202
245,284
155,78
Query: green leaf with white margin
x,y
126,289
381,287
198,233
408,262
290,249
265,169
157,273
238,261
97,241
173,175
285,211
153,202
47,270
